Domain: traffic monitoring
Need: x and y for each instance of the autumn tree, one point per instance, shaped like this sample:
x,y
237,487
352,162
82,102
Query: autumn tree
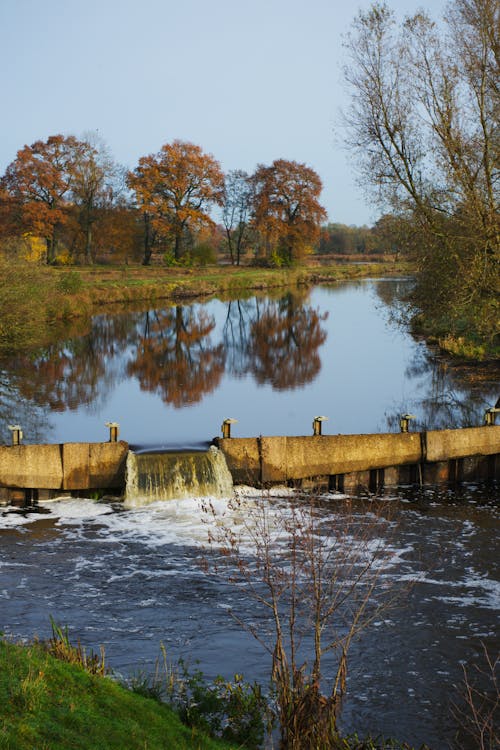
x,y
424,126
175,189
40,179
238,191
286,208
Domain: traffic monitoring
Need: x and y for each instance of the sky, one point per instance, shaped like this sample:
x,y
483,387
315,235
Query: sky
x,y
249,81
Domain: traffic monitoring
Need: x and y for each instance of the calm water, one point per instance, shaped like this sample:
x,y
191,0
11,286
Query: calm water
x,y
130,579
170,376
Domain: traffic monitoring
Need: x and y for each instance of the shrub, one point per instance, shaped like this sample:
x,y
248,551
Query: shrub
x,y
203,254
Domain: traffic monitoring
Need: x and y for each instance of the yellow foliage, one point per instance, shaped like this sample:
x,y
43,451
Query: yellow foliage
x,y
34,247
63,257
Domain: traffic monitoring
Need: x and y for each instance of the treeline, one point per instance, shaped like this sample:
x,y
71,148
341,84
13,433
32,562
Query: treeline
x,y
340,239
65,200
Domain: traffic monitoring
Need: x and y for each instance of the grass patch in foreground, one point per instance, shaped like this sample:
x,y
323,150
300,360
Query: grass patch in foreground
x,y
52,705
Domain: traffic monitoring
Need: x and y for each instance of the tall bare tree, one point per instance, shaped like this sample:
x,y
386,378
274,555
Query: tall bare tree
x,y
95,180
238,192
424,124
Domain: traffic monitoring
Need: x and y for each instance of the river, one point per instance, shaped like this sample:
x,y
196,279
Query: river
x,y
132,579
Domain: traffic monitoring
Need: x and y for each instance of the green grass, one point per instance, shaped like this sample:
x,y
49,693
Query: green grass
x,y
47,704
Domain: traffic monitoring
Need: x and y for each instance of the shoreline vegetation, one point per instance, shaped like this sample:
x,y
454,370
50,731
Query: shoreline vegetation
x,y
54,695
40,303
36,302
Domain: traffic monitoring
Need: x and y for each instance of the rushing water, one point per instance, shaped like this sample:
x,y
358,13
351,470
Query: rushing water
x,y
131,578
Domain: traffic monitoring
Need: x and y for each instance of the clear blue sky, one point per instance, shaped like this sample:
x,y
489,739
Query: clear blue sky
x,y
250,81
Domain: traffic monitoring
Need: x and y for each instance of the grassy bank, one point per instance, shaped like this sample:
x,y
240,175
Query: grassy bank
x,y
133,284
48,704
35,301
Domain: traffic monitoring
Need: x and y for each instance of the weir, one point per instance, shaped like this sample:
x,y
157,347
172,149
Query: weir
x,y
164,476
347,463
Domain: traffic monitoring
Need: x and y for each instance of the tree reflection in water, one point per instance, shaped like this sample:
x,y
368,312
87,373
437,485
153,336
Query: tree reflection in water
x,y
277,341
181,355
175,357
15,409
457,393
81,371
284,343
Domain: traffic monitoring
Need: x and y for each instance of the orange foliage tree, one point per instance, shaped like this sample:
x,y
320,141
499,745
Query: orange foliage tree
x,y
175,189
40,181
286,208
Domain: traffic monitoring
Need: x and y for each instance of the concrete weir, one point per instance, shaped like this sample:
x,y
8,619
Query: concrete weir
x,y
32,472
349,463
354,463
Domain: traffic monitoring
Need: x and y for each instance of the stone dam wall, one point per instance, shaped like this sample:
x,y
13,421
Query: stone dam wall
x,y
351,463
365,462
32,472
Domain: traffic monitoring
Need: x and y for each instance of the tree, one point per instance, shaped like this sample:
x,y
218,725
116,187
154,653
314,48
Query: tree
x,y
284,343
94,185
175,189
236,212
313,577
424,126
41,178
286,207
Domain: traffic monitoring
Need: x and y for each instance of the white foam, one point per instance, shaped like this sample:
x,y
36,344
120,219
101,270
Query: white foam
x,y
11,518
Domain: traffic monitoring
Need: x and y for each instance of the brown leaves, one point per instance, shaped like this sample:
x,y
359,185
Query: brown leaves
x,y
177,186
286,206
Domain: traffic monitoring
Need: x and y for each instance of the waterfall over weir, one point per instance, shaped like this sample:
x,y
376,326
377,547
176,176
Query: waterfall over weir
x,y
165,476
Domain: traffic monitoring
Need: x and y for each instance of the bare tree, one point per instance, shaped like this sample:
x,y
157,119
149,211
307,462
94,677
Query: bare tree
x,y
478,711
236,212
313,576
95,184
424,125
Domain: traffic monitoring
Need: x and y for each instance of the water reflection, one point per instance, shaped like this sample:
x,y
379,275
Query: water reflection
x,y
175,357
343,347
284,343
457,393
78,371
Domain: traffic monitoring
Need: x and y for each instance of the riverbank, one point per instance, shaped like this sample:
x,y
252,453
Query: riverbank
x,y
37,302
100,286
47,703
50,704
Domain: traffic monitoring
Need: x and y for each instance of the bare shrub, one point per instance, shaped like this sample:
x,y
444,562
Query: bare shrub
x,y
478,710
314,574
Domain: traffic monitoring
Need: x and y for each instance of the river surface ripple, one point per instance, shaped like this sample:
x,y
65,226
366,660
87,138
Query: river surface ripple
x,y
131,579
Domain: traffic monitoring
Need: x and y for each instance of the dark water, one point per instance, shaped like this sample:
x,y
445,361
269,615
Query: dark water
x,y
170,376
130,579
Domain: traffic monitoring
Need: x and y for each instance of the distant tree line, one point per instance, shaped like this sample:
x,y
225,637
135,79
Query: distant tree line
x,y
341,239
